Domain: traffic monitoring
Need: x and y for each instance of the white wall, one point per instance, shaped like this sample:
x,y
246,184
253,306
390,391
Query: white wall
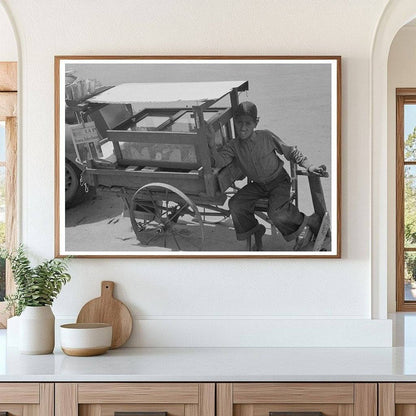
x,y
8,47
401,74
179,302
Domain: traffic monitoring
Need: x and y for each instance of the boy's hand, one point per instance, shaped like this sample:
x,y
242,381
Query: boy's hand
x,y
210,135
318,170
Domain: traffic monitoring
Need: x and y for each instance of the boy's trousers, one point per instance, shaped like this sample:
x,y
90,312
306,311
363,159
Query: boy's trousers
x,y
283,214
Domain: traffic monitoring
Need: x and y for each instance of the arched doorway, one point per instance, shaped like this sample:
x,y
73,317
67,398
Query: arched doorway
x,y
396,15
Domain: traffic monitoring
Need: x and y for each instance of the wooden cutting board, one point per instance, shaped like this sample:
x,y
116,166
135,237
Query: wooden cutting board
x,y
107,309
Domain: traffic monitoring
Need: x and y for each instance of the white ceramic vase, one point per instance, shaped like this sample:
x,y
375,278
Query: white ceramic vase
x,y
37,330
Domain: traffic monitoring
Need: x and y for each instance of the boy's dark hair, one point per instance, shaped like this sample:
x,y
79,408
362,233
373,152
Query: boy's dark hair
x,y
246,108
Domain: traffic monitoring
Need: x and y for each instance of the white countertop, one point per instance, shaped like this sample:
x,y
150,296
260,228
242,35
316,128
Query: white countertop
x,y
222,364
213,364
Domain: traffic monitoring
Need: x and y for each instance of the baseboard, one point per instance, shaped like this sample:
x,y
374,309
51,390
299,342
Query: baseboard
x,y
258,332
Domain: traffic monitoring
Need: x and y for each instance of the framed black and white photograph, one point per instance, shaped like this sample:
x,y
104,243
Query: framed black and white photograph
x,y
198,156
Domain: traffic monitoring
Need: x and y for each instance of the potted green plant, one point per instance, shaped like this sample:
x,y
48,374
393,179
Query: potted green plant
x,y
36,289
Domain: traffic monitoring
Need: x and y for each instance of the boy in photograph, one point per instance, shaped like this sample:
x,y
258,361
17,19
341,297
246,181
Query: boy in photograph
x,y
256,152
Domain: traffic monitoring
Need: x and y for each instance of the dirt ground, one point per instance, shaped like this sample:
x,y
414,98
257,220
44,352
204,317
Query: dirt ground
x,y
100,224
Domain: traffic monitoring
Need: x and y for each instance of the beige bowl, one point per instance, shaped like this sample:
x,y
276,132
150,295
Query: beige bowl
x,y
83,340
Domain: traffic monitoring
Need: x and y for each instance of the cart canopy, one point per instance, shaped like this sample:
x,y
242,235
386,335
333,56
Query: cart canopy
x,y
174,93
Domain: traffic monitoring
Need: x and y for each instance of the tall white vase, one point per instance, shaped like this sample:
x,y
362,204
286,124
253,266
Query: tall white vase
x,y
37,330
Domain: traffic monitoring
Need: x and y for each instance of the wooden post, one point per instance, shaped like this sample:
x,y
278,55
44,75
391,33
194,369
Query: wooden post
x,y
317,193
234,104
204,154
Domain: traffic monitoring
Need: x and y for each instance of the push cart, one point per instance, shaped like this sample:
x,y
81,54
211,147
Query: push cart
x,y
162,166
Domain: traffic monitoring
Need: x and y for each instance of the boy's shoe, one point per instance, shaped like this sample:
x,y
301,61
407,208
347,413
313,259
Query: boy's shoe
x,y
303,239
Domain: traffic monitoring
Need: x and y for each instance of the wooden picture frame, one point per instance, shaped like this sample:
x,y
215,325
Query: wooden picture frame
x,y
159,191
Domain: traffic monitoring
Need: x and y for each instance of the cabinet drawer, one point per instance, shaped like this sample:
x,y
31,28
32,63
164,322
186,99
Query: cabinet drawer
x,y
107,399
296,399
138,393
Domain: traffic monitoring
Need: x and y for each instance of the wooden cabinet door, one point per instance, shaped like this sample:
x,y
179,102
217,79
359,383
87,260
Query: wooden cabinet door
x,y
397,399
297,399
107,399
27,399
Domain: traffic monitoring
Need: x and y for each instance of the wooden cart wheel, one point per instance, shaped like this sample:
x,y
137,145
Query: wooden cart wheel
x,y
162,215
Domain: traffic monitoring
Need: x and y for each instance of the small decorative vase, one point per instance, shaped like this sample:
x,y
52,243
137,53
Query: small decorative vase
x,y
37,330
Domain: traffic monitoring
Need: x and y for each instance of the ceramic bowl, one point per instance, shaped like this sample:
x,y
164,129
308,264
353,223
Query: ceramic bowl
x,y
83,340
